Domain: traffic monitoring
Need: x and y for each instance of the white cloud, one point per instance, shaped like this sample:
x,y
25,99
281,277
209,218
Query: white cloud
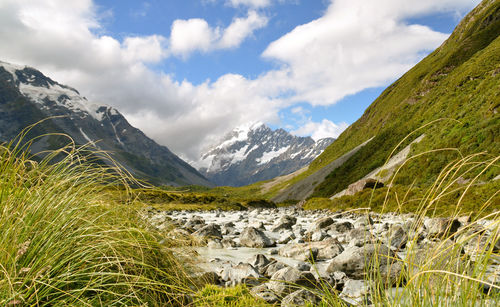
x,y
190,35
241,28
251,3
356,45
322,61
320,130
145,49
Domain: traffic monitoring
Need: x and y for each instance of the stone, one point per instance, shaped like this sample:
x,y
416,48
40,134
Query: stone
x,y
362,184
259,262
397,237
354,261
263,293
359,237
243,273
229,243
284,223
356,292
321,224
328,249
287,280
274,267
286,237
300,298
210,231
299,251
364,220
440,227
341,227
195,223
253,237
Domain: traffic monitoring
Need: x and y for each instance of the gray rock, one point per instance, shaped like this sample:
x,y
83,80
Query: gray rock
x,y
364,220
259,262
262,292
300,298
397,237
274,267
356,292
211,231
299,251
439,227
229,243
284,223
195,223
359,237
242,273
356,261
287,280
321,224
286,237
253,237
341,227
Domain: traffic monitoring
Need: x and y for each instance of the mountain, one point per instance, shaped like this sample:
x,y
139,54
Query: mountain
x,y
27,96
254,152
455,90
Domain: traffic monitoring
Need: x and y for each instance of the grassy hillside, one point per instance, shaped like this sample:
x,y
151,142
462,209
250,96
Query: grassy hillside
x,y
459,83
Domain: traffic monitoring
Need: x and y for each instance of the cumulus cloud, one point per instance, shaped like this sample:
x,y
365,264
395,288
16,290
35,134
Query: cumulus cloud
x,y
194,34
322,61
356,45
251,3
320,130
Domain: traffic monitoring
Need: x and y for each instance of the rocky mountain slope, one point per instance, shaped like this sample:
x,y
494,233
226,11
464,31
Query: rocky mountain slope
x,y
254,152
27,96
455,90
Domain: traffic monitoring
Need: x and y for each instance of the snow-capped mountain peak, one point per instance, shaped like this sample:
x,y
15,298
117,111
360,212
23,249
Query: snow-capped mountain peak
x,y
254,152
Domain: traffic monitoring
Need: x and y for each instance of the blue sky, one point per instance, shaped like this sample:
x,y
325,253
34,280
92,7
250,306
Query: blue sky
x,y
186,72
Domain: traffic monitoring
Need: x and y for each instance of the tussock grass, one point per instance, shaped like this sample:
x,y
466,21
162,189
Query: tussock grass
x,y
62,243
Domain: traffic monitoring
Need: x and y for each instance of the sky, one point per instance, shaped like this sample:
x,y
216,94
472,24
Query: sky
x,y
186,72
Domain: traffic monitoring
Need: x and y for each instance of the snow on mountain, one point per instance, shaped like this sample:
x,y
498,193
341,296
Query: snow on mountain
x,y
27,96
254,152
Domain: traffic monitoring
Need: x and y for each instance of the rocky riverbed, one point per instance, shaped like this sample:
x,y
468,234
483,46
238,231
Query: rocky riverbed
x,y
281,253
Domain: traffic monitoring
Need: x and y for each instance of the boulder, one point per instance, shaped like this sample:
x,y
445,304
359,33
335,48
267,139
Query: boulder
x,y
286,237
341,227
322,223
300,298
355,261
259,262
440,227
253,237
359,237
210,231
263,293
243,273
362,184
397,237
356,293
299,251
287,280
284,223
274,267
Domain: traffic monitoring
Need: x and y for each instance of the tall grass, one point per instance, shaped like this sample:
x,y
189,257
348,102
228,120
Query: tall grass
x,y
62,243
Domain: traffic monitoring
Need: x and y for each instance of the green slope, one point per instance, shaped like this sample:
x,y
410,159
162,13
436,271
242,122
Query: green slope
x,y
459,81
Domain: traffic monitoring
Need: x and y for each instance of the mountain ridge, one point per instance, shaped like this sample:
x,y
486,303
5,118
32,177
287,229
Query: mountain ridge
x,y
28,96
254,152
457,83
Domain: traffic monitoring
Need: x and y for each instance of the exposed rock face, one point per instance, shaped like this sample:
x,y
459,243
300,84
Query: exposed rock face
x,y
253,237
254,152
28,96
287,280
355,261
300,298
439,227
